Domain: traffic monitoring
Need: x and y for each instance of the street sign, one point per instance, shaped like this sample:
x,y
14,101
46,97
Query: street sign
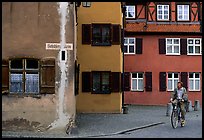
x,y
56,46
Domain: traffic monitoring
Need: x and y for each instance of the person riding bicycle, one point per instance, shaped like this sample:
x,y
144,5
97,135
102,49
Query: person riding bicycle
x,y
180,94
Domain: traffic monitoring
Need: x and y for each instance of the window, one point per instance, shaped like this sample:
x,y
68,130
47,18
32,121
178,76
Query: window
x,y
101,35
182,12
194,81
173,79
173,46
24,76
162,12
129,45
137,82
101,82
86,4
194,46
130,12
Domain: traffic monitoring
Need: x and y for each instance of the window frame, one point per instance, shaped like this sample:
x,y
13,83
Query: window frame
x,y
24,72
163,5
86,4
137,87
101,77
177,13
173,80
188,45
179,45
128,44
101,26
194,79
127,10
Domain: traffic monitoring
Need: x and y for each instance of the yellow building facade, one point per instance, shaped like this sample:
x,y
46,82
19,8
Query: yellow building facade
x,y
100,57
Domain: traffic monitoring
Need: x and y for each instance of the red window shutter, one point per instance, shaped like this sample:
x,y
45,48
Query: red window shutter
x,y
183,46
86,81
86,33
148,81
5,76
126,81
138,45
47,76
162,81
162,46
116,34
184,79
115,81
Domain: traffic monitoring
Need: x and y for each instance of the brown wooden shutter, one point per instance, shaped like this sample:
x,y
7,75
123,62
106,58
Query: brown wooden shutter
x,y
162,81
126,81
86,81
138,45
116,34
162,46
148,81
115,81
47,76
183,46
184,79
86,33
5,76
77,71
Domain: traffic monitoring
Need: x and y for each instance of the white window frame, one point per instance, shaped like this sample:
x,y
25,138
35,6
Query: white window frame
x,y
172,44
127,10
194,79
86,4
162,19
173,80
128,44
188,45
137,81
183,13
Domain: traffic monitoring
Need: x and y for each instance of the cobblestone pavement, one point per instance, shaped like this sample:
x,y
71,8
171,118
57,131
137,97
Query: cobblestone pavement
x,y
101,125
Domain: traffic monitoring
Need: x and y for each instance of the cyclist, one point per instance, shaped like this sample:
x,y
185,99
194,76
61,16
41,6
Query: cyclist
x,y
180,94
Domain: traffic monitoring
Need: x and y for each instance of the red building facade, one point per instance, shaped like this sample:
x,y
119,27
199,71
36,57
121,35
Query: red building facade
x,y
162,45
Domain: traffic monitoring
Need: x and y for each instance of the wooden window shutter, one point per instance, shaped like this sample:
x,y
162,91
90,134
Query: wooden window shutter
x,y
138,45
47,76
116,34
148,81
162,81
184,79
77,71
162,46
183,46
86,33
86,81
5,76
115,81
126,81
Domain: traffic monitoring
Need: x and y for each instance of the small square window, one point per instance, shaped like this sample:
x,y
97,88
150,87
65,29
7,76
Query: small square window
x,y
86,4
169,75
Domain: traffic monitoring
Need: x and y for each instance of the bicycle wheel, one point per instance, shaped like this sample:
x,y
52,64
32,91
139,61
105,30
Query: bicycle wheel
x,y
174,119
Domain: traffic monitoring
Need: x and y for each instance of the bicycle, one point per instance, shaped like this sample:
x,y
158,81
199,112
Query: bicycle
x,y
176,114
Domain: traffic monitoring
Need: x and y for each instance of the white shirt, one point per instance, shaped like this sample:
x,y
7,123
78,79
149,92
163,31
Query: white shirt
x,y
179,93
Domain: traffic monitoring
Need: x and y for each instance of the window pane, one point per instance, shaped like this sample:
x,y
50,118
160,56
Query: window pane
x,y
190,41
190,75
191,84
160,12
169,75
96,82
197,84
169,41
134,84
197,41
16,82
96,35
134,75
125,41
197,75
176,41
32,64
131,49
131,41
32,83
140,84
175,83
190,49
197,49
159,16
131,14
17,64
106,35
175,75
140,75
170,84
176,49
169,49
105,82
165,16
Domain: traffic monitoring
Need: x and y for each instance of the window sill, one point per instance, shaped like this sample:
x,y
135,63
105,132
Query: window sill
x,y
129,53
137,90
194,90
194,54
38,96
172,54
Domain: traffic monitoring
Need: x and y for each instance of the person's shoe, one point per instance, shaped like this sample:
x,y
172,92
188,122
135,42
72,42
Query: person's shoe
x,y
182,123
